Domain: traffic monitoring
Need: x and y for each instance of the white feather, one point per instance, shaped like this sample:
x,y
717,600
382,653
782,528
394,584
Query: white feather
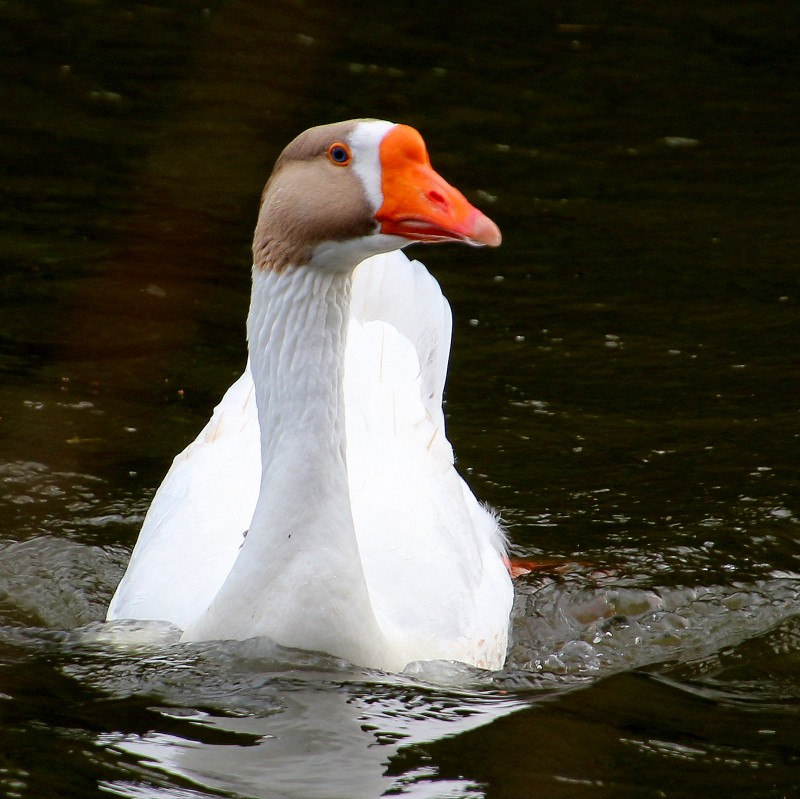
x,y
432,555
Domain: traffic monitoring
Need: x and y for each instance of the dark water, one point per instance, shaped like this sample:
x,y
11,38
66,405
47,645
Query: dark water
x,y
624,388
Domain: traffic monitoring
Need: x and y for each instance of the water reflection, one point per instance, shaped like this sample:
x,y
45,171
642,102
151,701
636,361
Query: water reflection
x,y
322,743
255,719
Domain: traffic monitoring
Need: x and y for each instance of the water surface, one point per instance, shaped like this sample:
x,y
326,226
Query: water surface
x,y
623,388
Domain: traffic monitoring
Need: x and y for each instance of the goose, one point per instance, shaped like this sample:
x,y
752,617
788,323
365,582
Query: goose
x,y
320,506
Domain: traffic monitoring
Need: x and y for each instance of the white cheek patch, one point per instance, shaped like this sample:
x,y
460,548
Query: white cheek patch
x,y
365,142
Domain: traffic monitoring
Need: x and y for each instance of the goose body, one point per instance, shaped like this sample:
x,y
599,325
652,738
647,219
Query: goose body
x,y
320,505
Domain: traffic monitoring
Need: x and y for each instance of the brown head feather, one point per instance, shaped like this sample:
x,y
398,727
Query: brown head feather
x,y
308,200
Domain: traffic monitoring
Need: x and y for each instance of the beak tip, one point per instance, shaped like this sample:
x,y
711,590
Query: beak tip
x,y
486,232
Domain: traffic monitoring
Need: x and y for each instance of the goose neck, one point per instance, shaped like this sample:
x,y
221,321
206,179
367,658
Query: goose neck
x,y
299,575
297,330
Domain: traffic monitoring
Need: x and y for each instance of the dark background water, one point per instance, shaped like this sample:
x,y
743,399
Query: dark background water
x,y
623,387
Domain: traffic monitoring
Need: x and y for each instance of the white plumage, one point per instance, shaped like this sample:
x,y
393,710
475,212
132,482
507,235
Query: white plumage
x,y
425,578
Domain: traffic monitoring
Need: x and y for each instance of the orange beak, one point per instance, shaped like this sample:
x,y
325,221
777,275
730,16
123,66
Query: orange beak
x,y
419,204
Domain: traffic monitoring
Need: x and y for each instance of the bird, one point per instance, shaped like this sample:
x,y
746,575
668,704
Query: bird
x,y
320,506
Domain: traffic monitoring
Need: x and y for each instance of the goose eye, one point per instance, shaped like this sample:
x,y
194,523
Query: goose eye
x,y
339,154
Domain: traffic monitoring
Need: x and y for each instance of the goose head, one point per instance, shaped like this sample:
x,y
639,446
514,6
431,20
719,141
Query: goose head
x,y
340,193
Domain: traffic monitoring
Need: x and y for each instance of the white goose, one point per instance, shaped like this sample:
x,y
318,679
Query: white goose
x,y
320,506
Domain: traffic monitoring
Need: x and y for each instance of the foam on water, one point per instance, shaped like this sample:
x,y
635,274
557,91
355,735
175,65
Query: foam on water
x,y
584,626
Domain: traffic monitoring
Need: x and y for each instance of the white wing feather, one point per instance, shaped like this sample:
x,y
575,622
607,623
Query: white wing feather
x,y
199,515
403,293
433,556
